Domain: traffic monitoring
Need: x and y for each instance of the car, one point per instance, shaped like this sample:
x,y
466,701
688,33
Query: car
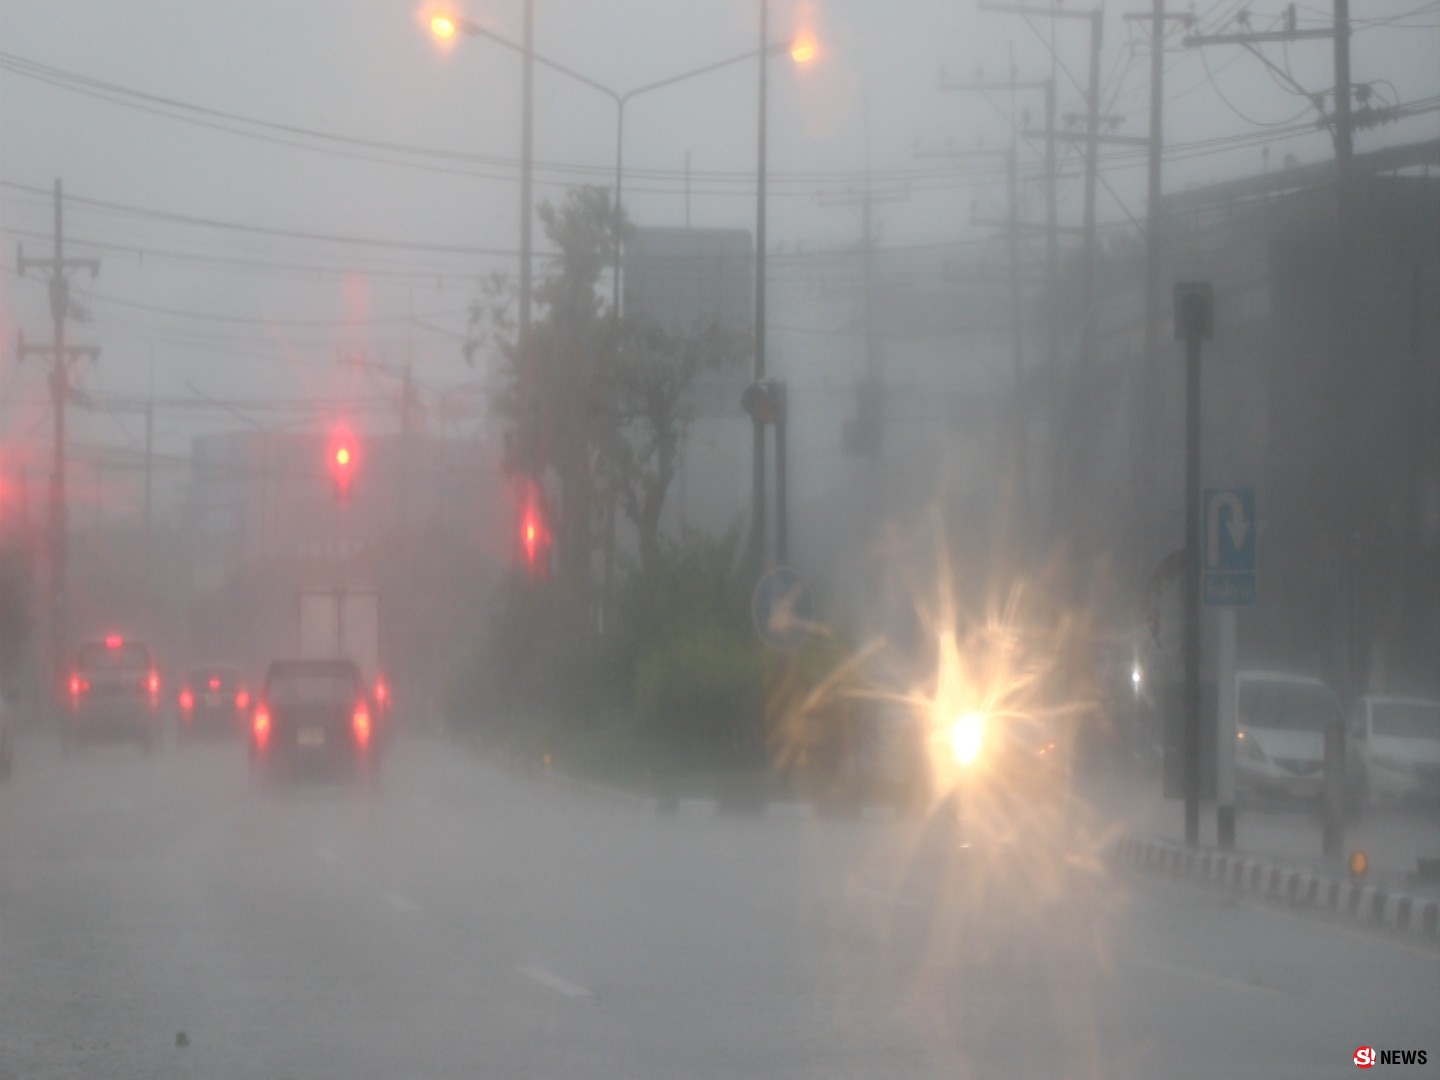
x,y
1282,720
314,717
112,692
1398,743
213,700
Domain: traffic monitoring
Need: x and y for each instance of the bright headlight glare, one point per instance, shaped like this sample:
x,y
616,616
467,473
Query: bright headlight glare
x,y
967,736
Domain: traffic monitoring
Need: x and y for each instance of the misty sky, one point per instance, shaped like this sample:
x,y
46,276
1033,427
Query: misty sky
x,y
231,312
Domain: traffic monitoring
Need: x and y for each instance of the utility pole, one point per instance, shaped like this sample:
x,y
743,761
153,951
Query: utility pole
x,y
59,266
1014,227
1079,455
1344,375
1150,379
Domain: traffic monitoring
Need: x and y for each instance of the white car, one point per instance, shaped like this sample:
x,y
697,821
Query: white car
x,y
1398,740
1282,721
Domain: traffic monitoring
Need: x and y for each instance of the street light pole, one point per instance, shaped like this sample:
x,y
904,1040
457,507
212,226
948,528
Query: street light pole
x,y
757,474
527,170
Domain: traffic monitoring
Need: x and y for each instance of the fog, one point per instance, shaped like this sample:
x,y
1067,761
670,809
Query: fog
x,y
613,776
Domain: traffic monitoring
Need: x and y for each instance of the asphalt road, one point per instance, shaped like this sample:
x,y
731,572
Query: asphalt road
x,y
468,922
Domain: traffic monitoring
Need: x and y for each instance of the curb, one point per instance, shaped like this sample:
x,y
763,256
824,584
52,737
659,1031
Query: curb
x,y
1372,905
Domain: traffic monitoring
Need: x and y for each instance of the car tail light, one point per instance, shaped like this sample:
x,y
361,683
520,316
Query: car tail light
x,y
261,726
152,683
360,722
78,685
214,684
187,699
242,699
382,693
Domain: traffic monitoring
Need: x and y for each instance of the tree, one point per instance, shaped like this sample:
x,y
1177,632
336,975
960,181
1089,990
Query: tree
x,y
599,404
648,393
552,390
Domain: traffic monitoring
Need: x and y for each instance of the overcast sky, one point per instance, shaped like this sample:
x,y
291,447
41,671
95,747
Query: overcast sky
x,y
235,312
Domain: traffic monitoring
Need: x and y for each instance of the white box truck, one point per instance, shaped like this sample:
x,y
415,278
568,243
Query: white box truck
x,y
343,622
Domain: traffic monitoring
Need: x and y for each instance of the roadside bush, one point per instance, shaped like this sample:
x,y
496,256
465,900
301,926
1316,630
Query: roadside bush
x,y
699,694
536,660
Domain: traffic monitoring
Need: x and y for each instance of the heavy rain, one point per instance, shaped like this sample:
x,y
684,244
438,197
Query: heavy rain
x,y
744,538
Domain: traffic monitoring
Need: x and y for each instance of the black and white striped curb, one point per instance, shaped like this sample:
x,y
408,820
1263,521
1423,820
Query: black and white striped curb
x,y
1371,904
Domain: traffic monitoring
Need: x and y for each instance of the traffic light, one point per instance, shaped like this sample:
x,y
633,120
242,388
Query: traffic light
x,y
344,457
534,534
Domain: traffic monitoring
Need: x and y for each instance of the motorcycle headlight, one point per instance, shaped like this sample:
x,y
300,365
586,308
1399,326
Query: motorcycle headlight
x,y
967,737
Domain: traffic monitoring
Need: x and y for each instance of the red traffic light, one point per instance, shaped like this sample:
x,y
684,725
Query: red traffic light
x,y
344,456
534,533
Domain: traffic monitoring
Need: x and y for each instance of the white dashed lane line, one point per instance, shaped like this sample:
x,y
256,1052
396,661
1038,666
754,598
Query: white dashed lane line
x,y
1207,977
400,902
551,981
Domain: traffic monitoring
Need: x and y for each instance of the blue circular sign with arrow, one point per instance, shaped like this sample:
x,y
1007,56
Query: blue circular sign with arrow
x,y
782,608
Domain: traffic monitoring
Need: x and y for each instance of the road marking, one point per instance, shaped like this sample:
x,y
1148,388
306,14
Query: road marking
x,y
1198,975
551,981
400,902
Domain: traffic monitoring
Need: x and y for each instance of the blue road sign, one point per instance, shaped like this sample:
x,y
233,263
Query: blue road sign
x,y
782,609
1229,561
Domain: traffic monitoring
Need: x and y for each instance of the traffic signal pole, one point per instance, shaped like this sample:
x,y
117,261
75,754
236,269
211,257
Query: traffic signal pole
x,y
1194,322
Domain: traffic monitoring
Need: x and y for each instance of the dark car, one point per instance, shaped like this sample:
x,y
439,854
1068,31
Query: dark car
x,y
314,717
113,692
213,700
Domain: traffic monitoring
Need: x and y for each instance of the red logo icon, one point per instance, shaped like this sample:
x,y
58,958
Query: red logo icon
x,y
1365,1057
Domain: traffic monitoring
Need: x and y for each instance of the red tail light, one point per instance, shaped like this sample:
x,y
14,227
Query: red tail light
x,y
242,699
214,684
261,726
78,685
187,699
382,692
152,683
360,722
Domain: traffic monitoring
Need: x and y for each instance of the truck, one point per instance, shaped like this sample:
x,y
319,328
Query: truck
x,y
343,622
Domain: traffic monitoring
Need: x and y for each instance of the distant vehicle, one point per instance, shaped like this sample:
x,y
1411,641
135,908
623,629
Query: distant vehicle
x,y
112,692
213,700
314,716
344,623
1282,720
1398,743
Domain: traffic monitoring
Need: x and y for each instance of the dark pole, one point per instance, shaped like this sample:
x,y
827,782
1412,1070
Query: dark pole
x,y
619,180
757,479
527,165
782,486
1149,396
59,390
1192,590
1193,323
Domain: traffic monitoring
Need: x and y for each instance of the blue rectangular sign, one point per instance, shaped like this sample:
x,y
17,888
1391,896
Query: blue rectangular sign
x,y
1236,590
1230,527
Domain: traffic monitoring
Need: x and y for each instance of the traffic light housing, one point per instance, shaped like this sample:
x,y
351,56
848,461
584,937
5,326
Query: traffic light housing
x,y
764,400
343,460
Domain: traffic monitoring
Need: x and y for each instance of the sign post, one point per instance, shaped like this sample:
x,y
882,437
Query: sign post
x,y
1230,529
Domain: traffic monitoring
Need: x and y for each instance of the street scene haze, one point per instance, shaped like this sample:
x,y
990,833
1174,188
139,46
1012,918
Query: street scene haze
x,y
735,538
